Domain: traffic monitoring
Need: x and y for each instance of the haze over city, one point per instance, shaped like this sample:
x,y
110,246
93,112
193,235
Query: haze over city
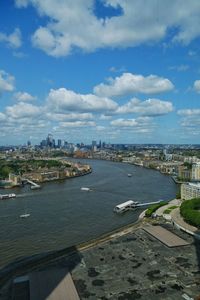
x,y
64,70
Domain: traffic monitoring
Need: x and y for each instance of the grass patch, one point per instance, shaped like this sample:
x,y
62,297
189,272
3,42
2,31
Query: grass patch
x,y
153,208
169,209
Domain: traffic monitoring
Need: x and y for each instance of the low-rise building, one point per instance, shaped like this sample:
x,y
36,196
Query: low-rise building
x,y
190,191
169,167
184,173
15,179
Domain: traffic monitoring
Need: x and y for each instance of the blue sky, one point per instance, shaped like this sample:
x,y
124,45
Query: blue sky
x,y
116,70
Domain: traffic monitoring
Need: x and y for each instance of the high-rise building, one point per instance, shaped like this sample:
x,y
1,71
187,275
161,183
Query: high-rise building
x,y
94,145
61,143
50,141
43,143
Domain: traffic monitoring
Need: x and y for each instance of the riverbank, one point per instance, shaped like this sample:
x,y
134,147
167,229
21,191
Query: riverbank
x,y
61,215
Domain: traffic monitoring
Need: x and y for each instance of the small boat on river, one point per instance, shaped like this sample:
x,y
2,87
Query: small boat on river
x,y
7,196
86,189
24,216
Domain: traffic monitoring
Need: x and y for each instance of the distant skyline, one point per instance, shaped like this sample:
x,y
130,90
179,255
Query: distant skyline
x,y
115,70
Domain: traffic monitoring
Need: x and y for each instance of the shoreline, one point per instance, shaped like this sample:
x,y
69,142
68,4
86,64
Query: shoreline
x,y
46,181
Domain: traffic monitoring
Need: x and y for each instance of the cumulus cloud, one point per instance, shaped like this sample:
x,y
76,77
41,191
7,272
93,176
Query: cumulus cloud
x,y
197,86
6,82
62,100
14,40
70,116
77,124
189,112
23,110
190,121
150,107
141,124
23,96
129,83
73,24
2,117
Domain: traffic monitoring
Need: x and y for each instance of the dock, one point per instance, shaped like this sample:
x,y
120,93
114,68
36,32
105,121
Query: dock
x,y
148,203
129,205
32,183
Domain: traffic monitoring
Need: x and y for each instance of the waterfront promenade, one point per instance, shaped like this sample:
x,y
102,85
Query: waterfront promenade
x,y
175,218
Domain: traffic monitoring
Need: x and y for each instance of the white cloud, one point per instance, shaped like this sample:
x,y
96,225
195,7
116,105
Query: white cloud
x,y
138,125
2,117
70,116
23,110
77,124
190,122
105,117
150,107
6,82
23,96
101,128
189,112
14,40
129,83
124,122
197,86
131,122
63,100
73,24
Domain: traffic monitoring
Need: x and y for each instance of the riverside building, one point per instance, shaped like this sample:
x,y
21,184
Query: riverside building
x,y
190,191
196,172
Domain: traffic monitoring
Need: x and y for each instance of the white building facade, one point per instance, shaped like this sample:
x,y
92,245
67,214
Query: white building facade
x,y
196,172
190,191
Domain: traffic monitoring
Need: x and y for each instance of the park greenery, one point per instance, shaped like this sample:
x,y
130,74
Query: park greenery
x,y
169,209
19,167
153,208
190,211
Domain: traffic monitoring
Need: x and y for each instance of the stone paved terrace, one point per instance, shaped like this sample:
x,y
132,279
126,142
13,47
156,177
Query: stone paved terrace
x,y
138,266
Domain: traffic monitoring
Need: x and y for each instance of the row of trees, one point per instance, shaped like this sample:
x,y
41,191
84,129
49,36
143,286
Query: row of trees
x,y
153,208
19,167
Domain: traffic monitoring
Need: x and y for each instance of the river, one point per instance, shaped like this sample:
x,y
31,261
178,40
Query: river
x,y
62,215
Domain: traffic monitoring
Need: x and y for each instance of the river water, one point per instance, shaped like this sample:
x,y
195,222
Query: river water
x,y
62,215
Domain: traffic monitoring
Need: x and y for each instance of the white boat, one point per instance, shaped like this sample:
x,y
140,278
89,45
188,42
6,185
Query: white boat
x,y
85,189
125,206
25,216
7,196
129,175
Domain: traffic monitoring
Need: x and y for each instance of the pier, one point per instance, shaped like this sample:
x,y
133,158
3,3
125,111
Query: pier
x,y
148,203
128,205
33,184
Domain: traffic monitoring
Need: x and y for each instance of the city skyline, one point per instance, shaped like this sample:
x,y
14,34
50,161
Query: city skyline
x,y
120,71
